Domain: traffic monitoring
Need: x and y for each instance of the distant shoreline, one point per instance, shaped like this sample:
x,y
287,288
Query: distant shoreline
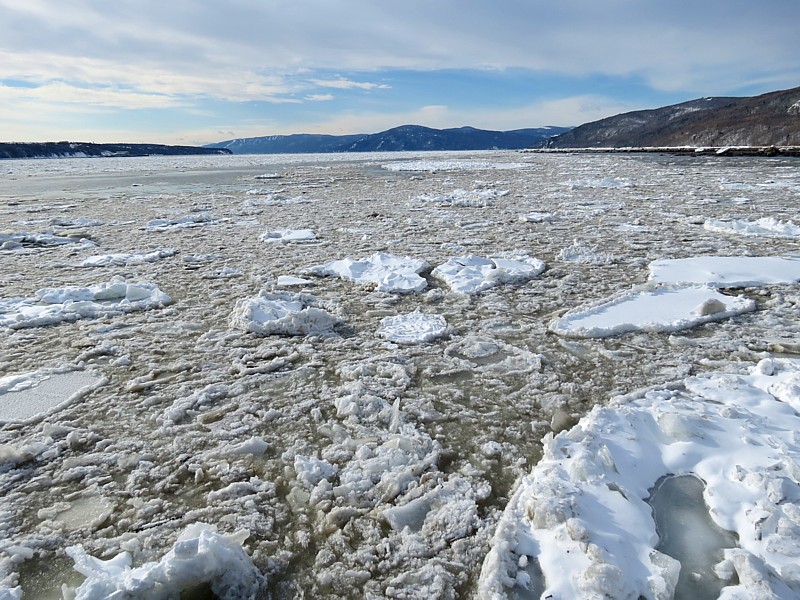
x,y
682,150
23,150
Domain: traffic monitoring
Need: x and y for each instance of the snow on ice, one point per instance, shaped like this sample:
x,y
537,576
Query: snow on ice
x,y
727,271
664,308
472,274
287,236
763,227
283,313
200,556
582,514
51,306
388,272
28,395
413,328
123,259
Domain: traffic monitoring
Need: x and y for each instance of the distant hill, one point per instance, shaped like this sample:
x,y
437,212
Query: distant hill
x,y
87,149
771,119
405,137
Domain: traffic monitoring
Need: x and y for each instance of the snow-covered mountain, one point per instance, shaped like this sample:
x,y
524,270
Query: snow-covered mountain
x,y
405,137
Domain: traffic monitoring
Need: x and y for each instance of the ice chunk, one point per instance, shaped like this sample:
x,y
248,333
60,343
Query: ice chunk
x,y
51,306
600,472
412,328
472,274
201,555
283,313
286,236
123,259
189,221
650,308
33,394
763,227
726,271
391,273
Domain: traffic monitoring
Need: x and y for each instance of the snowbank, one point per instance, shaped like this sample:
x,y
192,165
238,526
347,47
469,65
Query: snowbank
x,y
283,313
472,274
726,271
650,308
581,516
199,556
391,273
412,328
51,306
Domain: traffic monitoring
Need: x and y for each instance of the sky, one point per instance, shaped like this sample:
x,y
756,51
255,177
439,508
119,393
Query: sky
x,y
204,71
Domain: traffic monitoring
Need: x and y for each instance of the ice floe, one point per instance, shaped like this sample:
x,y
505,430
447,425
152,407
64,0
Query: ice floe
x,y
450,165
51,306
388,272
763,227
26,396
39,241
727,271
582,253
186,222
283,313
200,556
413,328
287,236
652,308
580,526
124,259
478,198
471,274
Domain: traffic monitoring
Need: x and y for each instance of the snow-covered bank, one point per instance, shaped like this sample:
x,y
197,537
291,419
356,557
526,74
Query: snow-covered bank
x,y
582,515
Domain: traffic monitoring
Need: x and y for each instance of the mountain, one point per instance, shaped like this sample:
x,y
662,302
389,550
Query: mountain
x,y
405,137
771,119
86,149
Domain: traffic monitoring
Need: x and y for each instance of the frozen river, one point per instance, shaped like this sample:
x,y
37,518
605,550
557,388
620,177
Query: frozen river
x,y
353,360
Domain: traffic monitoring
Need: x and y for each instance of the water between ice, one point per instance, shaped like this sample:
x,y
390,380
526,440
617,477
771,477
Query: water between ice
x,y
687,534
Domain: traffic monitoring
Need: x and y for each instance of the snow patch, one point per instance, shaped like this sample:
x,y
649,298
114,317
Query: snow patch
x,y
283,313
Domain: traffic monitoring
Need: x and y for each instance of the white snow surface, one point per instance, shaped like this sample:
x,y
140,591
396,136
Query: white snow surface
x,y
582,514
653,308
200,555
763,227
727,271
451,165
413,328
51,306
390,273
283,313
471,274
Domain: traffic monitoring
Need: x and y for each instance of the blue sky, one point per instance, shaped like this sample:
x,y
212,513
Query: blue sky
x,y
197,71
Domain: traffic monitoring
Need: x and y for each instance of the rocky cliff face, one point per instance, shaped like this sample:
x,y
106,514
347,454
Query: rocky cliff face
x,y
767,120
